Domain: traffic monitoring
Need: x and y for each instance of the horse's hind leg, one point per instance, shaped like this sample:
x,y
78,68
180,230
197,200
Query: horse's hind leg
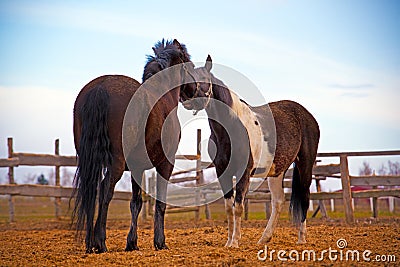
x,y
106,193
305,171
136,206
164,171
277,199
304,163
229,200
302,233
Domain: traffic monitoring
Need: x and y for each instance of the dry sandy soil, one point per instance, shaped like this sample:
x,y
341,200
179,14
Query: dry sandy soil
x,y
52,243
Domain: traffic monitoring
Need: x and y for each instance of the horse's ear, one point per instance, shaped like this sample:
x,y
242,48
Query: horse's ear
x,y
177,44
208,64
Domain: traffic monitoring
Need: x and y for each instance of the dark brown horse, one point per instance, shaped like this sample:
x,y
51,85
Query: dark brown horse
x,y
98,133
258,141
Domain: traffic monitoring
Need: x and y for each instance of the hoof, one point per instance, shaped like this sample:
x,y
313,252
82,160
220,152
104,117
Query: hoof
x,y
99,251
228,243
263,241
234,244
302,242
131,247
161,247
96,250
102,248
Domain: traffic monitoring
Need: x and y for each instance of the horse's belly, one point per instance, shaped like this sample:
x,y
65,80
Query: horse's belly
x,y
263,160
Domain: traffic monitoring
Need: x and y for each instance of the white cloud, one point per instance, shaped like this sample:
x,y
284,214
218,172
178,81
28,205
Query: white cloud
x,y
35,117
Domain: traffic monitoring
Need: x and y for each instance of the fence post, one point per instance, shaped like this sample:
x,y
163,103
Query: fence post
x,y
347,198
332,204
57,200
321,203
375,205
391,204
311,207
10,180
199,175
208,212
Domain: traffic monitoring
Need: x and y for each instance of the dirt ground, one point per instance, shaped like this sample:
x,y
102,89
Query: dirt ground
x,y
52,243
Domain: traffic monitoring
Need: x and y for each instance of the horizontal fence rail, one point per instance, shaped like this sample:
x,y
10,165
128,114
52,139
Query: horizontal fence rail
x,y
341,171
16,159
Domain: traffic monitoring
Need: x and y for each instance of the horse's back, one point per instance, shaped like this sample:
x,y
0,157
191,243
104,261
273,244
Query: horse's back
x,y
293,125
117,86
289,106
308,124
120,90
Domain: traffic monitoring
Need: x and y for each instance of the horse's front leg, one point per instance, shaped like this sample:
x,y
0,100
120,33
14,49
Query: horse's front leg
x,y
135,206
226,182
242,187
277,198
164,171
106,193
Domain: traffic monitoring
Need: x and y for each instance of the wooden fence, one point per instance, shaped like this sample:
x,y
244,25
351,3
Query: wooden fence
x,y
340,171
16,159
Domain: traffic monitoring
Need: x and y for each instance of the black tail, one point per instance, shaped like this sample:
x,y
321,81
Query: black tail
x,y
94,156
300,199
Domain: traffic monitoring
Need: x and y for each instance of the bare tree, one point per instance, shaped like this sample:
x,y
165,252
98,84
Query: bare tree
x,y
365,169
52,177
67,177
30,178
394,168
382,170
4,179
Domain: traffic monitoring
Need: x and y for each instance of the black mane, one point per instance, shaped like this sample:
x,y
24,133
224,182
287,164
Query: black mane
x,y
164,53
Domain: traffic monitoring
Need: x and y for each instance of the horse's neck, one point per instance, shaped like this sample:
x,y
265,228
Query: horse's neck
x,y
227,110
158,88
226,98
174,95
171,98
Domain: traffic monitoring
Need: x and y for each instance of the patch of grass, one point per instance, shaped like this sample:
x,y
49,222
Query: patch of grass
x,y
40,208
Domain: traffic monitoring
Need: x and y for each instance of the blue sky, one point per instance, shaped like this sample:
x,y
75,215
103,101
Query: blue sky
x,y
340,59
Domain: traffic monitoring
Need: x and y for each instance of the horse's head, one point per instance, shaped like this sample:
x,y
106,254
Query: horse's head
x,y
175,59
196,95
166,54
